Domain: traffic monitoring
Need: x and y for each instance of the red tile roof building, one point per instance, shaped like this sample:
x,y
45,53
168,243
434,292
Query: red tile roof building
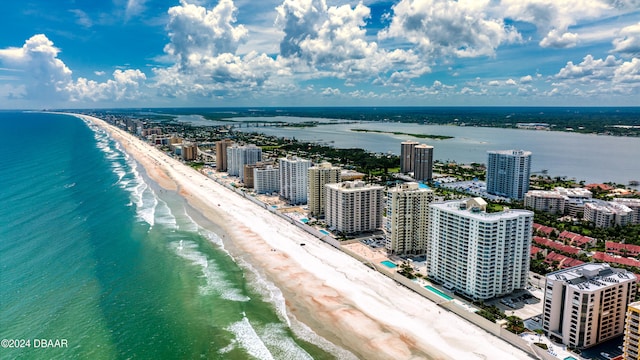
x,y
576,239
564,262
622,249
556,245
600,256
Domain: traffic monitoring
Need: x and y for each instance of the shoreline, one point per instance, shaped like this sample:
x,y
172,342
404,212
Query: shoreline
x,y
335,295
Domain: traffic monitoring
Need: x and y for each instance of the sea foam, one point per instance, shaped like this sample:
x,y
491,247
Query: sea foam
x,y
249,340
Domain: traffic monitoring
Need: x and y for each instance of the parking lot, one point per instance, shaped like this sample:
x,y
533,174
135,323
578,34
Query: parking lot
x,y
524,304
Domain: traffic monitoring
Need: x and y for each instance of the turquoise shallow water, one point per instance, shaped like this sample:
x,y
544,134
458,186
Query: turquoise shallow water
x,y
93,253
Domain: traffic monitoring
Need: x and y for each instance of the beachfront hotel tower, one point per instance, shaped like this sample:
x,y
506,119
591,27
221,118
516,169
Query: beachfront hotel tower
x,y
423,162
221,154
319,176
586,305
266,179
481,255
508,173
631,347
406,156
353,206
407,220
294,179
239,156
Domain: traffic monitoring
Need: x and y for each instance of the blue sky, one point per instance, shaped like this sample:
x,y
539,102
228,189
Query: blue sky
x,y
160,53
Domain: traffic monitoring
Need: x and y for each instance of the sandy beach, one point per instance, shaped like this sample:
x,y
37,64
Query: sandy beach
x,y
335,295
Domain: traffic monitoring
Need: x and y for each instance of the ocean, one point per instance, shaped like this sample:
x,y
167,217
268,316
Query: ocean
x,y
95,256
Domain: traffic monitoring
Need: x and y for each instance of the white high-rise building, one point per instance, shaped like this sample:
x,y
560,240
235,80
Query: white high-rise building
x,y
508,173
239,156
479,254
353,206
320,175
549,201
634,205
266,179
294,179
605,214
585,305
407,221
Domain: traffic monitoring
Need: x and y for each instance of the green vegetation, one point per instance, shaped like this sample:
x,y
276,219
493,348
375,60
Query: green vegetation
x,y
545,182
196,165
405,269
421,136
515,324
491,313
461,171
541,345
494,207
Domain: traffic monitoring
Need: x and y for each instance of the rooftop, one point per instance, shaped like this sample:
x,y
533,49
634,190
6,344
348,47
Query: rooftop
x,y
592,276
476,208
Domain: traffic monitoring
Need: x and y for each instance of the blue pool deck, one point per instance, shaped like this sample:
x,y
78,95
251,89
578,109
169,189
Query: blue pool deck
x,y
438,292
324,232
388,264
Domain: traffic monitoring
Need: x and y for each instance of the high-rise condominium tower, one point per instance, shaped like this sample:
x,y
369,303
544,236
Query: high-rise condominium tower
x,y
353,206
319,176
508,173
406,156
423,162
294,179
221,154
407,221
479,254
585,305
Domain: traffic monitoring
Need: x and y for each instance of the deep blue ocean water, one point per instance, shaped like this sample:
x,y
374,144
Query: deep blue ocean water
x,y
93,253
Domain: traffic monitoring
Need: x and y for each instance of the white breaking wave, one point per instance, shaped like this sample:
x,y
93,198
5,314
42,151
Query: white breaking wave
x,y
186,222
249,340
129,179
280,344
146,202
214,282
267,290
163,214
271,293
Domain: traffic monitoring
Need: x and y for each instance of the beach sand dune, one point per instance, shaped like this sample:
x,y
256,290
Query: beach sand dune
x,y
336,296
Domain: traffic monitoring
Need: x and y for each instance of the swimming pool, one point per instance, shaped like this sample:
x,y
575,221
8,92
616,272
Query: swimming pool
x,y
438,292
388,264
304,220
324,232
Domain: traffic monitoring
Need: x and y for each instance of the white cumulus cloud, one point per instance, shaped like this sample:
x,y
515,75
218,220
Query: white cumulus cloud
x,y
331,41
203,46
554,19
44,77
599,76
628,41
526,79
449,28
125,85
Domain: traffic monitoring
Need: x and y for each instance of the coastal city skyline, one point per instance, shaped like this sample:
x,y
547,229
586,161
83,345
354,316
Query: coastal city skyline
x,y
139,53
320,179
